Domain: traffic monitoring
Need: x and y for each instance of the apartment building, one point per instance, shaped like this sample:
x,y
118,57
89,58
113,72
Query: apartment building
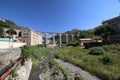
x,y
31,37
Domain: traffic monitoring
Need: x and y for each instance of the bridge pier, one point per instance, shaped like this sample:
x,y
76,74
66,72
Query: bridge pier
x,y
66,38
72,37
54,42
60,40
46,39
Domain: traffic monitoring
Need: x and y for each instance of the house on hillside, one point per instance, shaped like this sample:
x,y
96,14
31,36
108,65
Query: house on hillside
x,y
89,40
116,23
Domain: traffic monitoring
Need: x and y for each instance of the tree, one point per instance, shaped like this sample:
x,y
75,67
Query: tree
x,y
1,32
86,34
105,31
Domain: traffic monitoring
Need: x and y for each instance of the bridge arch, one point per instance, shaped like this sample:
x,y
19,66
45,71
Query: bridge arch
x,y
12,32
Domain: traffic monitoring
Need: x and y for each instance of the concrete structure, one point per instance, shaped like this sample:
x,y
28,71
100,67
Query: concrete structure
x,y
46,39
114,38
25,35
10,45
16,34
48,42
34,37
24,71
72,37
60,37
112,22
66,38
88,40
54,42
7,56
60,40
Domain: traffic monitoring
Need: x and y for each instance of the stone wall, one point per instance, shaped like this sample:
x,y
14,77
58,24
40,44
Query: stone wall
x,y
34,75
6,56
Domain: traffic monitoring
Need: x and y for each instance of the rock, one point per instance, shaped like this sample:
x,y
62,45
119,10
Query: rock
x,y
76,72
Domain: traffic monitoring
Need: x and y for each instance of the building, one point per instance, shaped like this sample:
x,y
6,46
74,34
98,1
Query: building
x,y
86,40
24,35
31,37
116,23
114,38
112,22
89,40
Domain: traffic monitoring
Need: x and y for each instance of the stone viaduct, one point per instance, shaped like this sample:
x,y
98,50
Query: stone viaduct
x,y
18,32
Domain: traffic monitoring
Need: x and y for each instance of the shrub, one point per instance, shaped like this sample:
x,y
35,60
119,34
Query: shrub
x,y
73,43
96,51
107,60
56,56
106,48
41,45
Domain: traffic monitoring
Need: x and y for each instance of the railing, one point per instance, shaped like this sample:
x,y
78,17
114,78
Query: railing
x,y
8,69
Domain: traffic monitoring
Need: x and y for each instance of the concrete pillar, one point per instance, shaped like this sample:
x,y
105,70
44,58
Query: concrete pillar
x,y
72,37
46,39
17,35
60,40
66,38
53,35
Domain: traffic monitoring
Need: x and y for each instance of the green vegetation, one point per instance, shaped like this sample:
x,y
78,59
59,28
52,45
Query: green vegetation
x,y
105,66
8,24
87,34
1,32
36,53
96,51
105,31
14,73
45,69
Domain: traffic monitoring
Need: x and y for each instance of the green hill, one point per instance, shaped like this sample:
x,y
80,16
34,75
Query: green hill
x,y
8,24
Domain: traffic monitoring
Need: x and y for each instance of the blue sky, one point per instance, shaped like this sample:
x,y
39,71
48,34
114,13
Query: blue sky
x,y
59,15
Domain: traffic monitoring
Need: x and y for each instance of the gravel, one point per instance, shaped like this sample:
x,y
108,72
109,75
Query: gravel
x,y
72,69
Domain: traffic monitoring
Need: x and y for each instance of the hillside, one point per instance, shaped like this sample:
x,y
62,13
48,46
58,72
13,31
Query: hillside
x,y
8,24
82,33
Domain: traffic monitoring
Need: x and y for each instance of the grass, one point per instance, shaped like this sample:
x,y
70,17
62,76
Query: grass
x,y
105,66
36,53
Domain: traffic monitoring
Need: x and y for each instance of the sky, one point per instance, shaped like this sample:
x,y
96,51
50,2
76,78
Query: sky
x,y
59,15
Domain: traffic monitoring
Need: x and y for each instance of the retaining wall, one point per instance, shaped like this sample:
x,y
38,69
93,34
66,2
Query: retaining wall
x,y
6,56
